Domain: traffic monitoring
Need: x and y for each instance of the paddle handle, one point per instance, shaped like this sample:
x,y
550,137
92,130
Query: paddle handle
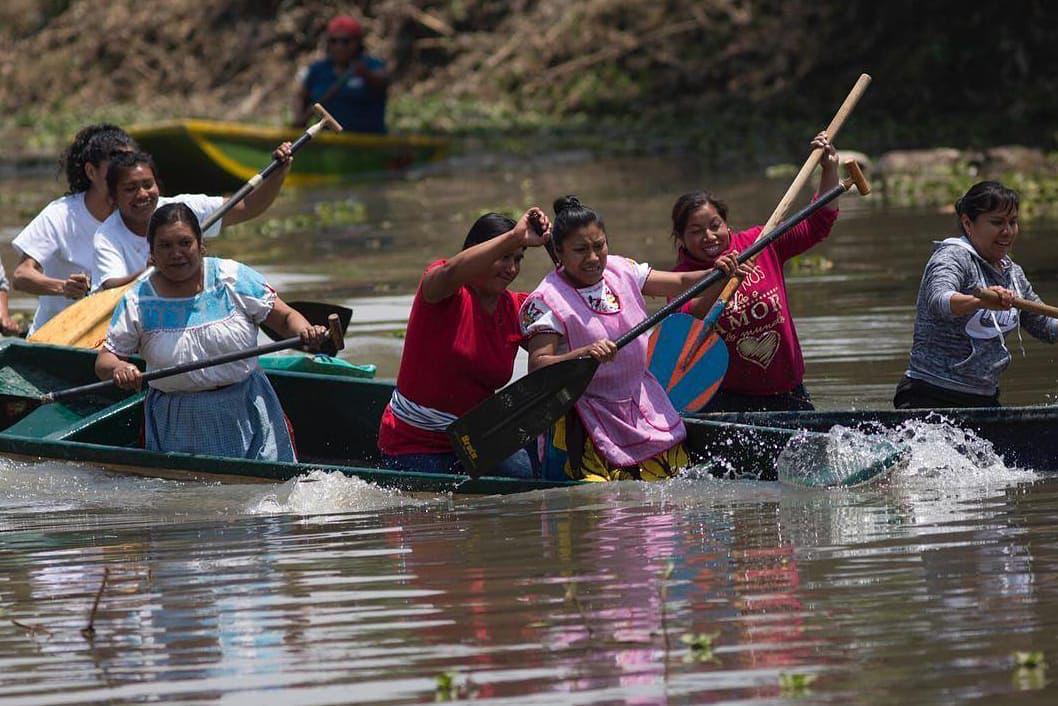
x,y
805,174
549,246
1024,304
334,333
855,178
257,179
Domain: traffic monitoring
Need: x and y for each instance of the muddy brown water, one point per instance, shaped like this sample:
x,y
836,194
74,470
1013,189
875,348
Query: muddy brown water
x,y
326,590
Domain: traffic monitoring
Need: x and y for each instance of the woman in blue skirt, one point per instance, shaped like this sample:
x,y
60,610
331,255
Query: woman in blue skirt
x,y
196,307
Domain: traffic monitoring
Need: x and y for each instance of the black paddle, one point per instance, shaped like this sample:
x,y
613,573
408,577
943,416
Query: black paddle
x,y
27,404
318,314
507,421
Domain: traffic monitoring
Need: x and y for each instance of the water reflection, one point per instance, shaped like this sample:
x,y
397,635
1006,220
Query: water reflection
x,y
559,597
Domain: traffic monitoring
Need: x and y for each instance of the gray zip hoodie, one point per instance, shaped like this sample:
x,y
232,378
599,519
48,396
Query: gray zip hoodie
x,y
968,353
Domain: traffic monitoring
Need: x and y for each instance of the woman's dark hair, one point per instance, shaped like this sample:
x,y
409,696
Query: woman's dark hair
x,y
687,204
124,162
170,214
985,196
487,227
92,145
571,215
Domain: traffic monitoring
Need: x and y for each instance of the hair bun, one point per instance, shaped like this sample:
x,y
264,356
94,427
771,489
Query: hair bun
x,y
566,203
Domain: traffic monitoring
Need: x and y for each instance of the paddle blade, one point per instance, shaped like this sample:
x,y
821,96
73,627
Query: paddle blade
x,y
689,359
840,458
317,314
510,419
83,323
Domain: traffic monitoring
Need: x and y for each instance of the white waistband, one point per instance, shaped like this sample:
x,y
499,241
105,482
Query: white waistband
x,y
417,415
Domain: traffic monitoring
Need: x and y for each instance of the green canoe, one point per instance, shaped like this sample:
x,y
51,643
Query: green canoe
x,y
206,156
335,420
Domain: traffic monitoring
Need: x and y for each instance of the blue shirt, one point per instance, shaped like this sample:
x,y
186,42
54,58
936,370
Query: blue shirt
x,y
356,106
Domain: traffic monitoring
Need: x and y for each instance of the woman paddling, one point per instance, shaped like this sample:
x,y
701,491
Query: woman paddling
x,y
959,348
463,334
623,425
121,246
56,247
766,368
196,307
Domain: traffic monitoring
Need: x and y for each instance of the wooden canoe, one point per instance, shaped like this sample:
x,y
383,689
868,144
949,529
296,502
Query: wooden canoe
x,y
335,420
1018,434
206,156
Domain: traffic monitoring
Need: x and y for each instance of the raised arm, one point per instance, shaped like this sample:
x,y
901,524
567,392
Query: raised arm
x,y
442,282
258,200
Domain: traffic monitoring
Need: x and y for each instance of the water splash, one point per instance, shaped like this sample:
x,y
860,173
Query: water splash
x,y
328,492
842,457
942,451
936,451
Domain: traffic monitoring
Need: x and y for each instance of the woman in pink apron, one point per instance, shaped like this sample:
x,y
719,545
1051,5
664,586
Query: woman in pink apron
x,y
623,426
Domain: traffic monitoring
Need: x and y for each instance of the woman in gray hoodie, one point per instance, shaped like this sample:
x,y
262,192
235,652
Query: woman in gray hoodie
x,y
959,348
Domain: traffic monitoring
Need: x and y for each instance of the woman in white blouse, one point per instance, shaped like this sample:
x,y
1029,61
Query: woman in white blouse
x,y
195,307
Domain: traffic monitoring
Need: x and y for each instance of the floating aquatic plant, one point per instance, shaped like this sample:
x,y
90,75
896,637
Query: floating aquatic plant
x,y
1030,660
451,688
699,646
795,683
811,264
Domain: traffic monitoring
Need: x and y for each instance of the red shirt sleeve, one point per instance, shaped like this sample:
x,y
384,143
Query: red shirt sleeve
x,y
809,232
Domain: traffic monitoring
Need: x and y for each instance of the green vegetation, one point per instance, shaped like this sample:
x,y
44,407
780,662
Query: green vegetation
x,y
793,684
699,647
731,83
1030,660
1039,191
810,264
1030,670
451,687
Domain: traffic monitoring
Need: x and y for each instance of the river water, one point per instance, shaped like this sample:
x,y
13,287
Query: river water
x,y
326,590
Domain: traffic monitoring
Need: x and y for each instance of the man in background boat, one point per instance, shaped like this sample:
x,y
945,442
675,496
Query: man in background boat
x,y
350,84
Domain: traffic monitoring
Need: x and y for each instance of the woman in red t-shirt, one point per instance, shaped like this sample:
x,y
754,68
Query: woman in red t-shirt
x,y
463,333
766,368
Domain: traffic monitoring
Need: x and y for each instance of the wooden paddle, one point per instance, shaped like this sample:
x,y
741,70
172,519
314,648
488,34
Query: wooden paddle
x,y
508,420
987,295
696,365
805,174
19,406
84,324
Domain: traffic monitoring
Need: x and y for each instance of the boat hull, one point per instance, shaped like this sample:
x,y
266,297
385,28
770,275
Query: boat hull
x,y
205,156
335,420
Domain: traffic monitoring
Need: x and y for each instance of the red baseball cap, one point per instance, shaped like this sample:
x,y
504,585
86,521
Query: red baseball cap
x,y
344,24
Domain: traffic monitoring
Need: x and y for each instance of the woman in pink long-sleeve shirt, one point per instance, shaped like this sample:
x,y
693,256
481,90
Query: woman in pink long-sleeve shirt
x,y
765,369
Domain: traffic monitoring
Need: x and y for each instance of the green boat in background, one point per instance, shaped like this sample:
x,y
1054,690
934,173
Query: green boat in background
x,y
206,156
335,420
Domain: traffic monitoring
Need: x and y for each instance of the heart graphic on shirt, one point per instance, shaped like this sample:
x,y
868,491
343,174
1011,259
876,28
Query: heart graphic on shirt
x,y
759,349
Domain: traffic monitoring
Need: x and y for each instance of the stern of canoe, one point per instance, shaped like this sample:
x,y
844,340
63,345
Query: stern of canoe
x,y
196,156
